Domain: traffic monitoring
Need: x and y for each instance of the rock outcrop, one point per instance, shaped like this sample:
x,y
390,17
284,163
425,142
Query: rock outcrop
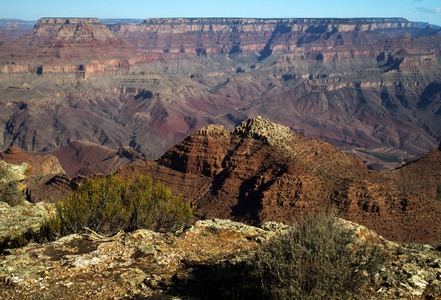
x,y
188,264
40,165
72,28
262,171
22,218
12,172
86,158
40,172
124,266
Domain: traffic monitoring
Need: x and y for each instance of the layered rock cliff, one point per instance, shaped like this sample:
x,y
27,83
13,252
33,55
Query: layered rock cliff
x,y
365,84
262,171
78,46
169,39
42,173
266,36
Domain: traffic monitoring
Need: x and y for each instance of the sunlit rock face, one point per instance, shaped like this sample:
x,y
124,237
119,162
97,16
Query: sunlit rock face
x,y
262,171
370,86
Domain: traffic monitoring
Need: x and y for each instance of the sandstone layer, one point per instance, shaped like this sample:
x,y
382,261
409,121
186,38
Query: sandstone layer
x,y
263,171
45,178
367,85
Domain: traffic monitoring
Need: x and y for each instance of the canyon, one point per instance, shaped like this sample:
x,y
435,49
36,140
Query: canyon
x,y
261,174
368,86
257,122
262,171
179,99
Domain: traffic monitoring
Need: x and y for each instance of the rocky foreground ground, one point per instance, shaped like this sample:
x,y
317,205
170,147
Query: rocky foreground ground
x,y
187,265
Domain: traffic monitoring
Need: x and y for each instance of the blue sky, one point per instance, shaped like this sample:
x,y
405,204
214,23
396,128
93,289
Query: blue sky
x,y
413,10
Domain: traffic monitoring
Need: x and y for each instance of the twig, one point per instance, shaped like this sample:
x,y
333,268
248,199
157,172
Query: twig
x,y
94,236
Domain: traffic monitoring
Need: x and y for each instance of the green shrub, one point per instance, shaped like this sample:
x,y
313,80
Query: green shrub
x,y
109,204
10,191
315,260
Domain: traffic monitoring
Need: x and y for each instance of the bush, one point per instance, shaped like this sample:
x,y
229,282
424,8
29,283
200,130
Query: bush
x,y
10,191
315,260
109,204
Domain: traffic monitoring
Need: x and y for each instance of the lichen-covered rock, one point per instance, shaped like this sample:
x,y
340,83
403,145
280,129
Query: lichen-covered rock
x,y
10,172
141,263
259,127
21,218
145,263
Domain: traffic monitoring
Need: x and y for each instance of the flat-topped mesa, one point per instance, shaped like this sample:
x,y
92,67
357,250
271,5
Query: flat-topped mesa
x,y
76,28
68,21
401,21
303,24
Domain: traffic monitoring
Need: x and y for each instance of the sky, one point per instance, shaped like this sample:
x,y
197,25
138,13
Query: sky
x,y
413,10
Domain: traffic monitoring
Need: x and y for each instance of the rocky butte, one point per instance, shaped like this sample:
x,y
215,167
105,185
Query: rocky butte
x,y
263,171
370,86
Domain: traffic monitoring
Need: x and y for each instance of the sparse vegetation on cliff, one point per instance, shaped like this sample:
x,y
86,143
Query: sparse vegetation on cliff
x,y
316,259
10,191
109,204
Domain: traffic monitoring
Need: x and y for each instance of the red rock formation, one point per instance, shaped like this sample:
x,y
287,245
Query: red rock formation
x,y
41,182
263,171
150,85
68,45
86,158
40,165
